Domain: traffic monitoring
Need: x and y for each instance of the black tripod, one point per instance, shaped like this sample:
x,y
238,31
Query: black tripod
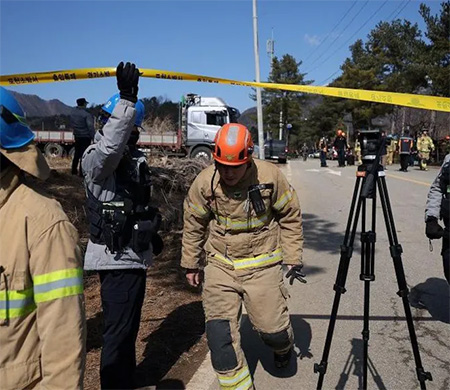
x,y
370,175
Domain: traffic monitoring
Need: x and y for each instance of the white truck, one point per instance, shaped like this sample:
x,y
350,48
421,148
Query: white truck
x,y
199,120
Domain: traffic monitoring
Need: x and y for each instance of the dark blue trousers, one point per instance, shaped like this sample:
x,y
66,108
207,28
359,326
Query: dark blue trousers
x,y
122,293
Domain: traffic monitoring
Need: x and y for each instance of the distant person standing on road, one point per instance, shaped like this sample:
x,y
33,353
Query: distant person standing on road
x,y
405,145
323,147
384,151
438,207
305,150
424,146
82,124
358,149
340,143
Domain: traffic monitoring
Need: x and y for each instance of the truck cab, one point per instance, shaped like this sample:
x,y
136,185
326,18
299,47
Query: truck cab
x,y
200,119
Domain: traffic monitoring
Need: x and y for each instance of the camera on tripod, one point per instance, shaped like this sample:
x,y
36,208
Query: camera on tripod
x,y
370,141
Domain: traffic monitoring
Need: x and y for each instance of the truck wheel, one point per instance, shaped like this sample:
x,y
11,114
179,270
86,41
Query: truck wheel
x,y
282,160
53,150
202,152
71,152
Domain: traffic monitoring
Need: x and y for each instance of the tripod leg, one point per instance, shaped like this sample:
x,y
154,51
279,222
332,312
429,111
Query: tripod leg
x,y
367,275
339,286
396,251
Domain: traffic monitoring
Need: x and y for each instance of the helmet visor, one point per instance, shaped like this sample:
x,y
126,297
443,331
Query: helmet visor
x,y
14,130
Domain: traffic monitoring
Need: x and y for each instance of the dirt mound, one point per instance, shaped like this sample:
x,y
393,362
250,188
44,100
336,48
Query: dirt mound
x,y
171,343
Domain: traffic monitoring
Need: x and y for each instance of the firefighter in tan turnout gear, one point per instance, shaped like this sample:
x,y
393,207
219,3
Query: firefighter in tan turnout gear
x,y
42,323
425,145
254,221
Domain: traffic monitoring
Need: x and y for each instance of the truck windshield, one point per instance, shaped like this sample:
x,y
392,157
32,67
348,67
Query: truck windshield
x,y
216,118
234,114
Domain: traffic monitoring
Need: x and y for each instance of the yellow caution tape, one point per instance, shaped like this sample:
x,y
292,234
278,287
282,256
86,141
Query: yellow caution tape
x,y
401,99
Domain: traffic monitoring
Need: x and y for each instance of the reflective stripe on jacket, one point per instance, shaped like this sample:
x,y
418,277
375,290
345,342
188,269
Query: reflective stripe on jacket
x,y
237,237
42,320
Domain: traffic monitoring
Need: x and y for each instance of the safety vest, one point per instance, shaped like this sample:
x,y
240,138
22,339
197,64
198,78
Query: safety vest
x,y
405,145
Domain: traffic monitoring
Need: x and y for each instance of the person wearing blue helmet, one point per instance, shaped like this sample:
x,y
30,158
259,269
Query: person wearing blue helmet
x,y
42,319
122,224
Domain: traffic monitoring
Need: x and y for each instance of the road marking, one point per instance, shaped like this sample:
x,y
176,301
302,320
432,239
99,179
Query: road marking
x,y
338,173
410,180
313,170
328,170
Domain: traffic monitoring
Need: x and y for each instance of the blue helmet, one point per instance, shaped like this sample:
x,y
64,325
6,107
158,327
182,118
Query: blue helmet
x,y
14,131
112,101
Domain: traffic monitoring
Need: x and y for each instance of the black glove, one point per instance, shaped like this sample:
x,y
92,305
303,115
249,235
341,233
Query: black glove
x,y
127,81
296,273
157,244
433,230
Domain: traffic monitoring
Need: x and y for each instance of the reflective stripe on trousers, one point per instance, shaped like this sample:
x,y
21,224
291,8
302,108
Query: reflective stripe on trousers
x,y
47,287
240,381
253,262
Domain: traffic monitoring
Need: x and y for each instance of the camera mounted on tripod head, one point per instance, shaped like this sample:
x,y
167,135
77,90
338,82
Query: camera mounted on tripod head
x,y
370,141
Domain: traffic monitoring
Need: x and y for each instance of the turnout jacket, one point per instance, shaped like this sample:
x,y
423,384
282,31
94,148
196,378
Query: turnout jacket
x,y
425,144
99,165
42,323
239,238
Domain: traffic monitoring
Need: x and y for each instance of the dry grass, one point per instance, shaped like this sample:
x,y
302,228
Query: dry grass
x,y
171,342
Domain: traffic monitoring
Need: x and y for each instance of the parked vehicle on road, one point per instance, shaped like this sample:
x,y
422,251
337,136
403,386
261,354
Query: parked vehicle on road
x,y
274,150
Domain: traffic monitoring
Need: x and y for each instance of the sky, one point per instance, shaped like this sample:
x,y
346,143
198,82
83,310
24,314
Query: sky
x,y
210,37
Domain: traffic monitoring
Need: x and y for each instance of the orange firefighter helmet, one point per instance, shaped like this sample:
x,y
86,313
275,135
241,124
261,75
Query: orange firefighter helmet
x,y
233,145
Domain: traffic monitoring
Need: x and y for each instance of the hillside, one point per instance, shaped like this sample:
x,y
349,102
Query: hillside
x,y
34,106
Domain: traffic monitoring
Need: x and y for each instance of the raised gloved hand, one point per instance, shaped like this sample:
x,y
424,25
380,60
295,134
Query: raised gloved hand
x,y
433,230
127,81
296,273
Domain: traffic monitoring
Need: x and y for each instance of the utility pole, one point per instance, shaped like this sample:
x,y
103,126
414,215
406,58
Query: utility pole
x,y
281,125
258,90
270,47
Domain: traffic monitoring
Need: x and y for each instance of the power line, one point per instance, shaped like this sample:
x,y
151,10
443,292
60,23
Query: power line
x,y
345,28
356,32
398,13
329,77
402,5
332,31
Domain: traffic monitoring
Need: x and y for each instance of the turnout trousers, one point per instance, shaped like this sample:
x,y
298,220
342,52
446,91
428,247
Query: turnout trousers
x,y
265,298
424,157
341,157
122,293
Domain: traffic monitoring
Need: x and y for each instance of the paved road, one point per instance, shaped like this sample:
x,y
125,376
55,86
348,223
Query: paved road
x,y
325,195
